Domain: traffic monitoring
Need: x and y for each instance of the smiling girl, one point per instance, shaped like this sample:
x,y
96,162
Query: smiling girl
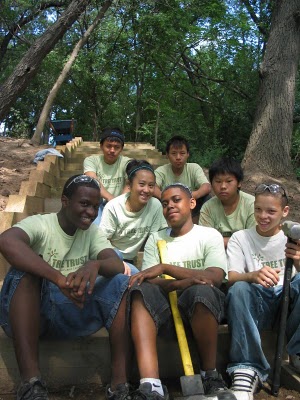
x,y
128,219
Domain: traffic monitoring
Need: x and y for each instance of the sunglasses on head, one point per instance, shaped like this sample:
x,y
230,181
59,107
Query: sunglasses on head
x,y
83,179
273,188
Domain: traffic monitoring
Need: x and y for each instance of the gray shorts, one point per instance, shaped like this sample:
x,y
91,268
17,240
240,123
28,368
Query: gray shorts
x,y
158,305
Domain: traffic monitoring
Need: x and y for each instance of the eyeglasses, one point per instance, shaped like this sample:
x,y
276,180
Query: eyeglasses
x,y
273,188
83,179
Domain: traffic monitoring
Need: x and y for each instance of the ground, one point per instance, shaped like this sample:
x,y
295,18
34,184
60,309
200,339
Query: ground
x,y
16,158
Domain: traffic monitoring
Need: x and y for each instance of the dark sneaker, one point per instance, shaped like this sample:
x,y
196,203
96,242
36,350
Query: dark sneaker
x,y
122,392
213,383
34,389
144,392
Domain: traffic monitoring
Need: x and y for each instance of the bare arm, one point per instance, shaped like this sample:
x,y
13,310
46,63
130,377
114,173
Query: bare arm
x,y
203,190
211,275
104,193
157,192
15,246
266,277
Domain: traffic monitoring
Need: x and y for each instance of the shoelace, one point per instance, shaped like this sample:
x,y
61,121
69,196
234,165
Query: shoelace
x,y
243,382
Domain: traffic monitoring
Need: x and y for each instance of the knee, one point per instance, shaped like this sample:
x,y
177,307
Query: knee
x,y
238,293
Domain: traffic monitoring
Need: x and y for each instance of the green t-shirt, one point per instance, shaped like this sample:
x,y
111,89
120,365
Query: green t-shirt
x,y
112,176
199,249
192,176
212,214
127,230
63,252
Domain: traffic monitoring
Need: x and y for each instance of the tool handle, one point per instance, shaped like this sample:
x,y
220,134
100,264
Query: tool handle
x,y
179,327
285,299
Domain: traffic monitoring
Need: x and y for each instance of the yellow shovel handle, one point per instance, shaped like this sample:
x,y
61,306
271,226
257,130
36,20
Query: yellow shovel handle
x,y
180,331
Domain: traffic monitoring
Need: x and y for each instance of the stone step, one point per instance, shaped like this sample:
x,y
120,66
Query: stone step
x,y
87,360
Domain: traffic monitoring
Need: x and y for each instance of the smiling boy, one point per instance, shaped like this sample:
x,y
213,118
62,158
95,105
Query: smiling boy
x,y
108,168
256,261
197,262
66,281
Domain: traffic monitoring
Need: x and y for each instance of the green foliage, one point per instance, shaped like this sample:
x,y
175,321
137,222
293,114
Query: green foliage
x,y
191,65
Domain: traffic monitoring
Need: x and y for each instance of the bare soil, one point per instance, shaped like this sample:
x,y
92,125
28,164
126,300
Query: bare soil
x,y
16,162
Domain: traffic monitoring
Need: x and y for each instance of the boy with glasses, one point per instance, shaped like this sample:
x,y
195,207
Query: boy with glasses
x,y
256,261
65,281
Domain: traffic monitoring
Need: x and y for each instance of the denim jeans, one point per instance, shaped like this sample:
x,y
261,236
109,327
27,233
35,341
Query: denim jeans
x,y
100,212
250,309
60,317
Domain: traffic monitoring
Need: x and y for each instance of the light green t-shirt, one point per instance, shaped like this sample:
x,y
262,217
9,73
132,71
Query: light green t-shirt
x,y
192,176
63,252
212,214
112,176
199,249
127,230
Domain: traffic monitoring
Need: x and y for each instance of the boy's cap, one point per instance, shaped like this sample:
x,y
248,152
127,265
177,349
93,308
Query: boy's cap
x,y
112,134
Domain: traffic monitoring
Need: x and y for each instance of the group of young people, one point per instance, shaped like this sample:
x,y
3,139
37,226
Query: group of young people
x,y
74,272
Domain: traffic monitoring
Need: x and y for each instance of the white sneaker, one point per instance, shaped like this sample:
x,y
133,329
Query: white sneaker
x,y
295,362
244,383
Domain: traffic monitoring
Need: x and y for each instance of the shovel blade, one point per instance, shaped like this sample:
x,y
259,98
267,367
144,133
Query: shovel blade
x,y
191,385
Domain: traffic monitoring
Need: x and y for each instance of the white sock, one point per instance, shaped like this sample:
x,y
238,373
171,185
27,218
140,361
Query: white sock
x,y
155,383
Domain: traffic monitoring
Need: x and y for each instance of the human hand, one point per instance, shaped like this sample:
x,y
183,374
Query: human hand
x,y
266,276
69,293
84,278
149,273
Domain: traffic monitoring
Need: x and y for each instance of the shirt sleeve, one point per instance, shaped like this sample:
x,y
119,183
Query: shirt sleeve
x,y
215,255
235,256
151,256
205,218
159,175
89,165
199,176
99,242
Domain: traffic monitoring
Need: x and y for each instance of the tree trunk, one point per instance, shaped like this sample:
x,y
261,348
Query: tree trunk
x,y
28,67
35,140
268,150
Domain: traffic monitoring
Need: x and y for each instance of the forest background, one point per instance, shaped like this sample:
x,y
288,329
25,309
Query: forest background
x,y
223,73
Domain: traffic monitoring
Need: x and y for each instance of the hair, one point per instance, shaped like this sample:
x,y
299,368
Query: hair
x,y
70,188
267,192
226,166
112,135
177,141
136,165
181,186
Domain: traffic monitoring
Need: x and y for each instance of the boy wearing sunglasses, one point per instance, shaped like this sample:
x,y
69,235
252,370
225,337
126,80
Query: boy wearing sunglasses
x,y
65,281
256,261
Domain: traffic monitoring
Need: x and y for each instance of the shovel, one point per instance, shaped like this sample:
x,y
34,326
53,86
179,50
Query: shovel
x,y
191,383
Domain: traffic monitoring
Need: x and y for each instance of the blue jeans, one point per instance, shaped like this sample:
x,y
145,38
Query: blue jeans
x,y
250,309
60,317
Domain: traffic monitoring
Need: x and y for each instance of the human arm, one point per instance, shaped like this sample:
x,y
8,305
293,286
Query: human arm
x,y
104,193
202,191
157,192
15,246
183,276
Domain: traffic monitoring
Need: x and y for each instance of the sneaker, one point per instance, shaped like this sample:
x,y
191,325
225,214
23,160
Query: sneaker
x,y
295,362
213,383
144,392
34,389
122,392
245,383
